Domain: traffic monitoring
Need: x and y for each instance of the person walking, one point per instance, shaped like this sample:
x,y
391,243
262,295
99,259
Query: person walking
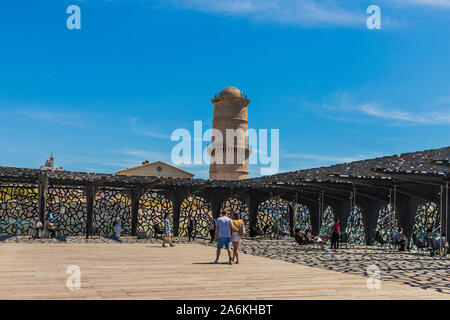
x,y
335,234
190,228
167,234
223,236
212,228
118,227
237,233
38,227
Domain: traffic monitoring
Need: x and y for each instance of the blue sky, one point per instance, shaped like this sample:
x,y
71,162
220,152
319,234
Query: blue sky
x,y
108,96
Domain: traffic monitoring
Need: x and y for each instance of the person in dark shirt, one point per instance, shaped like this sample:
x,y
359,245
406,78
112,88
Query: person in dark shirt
x,y
190,228
335,234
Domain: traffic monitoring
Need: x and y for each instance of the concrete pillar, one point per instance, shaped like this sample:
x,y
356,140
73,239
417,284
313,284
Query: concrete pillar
x,y
177,198
135,196
341,210
90,199
42,195
443,209
216,205
291,220
252,203
370,212
406,210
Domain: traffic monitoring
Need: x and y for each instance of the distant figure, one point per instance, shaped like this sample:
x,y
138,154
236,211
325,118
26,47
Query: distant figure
x,y
118,227
378,238
38,227
335,234
223,235
401,239
212,228
167,235
51,228
442,244
237,233
428,240
48,216
190,228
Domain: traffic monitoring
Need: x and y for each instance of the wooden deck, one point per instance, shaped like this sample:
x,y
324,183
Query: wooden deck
x,y
147,271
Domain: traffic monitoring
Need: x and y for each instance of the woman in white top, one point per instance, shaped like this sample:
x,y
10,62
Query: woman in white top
x,y
118,227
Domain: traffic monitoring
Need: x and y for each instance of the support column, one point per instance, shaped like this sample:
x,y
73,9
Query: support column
x,y
314,211
370,212
177,200
341,211
216,205
291,220
90,199
447,213
406,210
252,204
443,210
42,196
135,196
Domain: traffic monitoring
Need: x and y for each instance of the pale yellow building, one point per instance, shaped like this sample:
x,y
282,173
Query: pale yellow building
x,y
156,169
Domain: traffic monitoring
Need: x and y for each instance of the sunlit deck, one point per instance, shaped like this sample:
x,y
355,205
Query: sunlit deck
x,y
147,271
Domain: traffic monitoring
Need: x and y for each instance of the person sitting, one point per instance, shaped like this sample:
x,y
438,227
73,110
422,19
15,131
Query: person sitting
x,y
321,242
51,228
308,237
401,240
428,240
419,243
442,245
378,238
300,237
38,227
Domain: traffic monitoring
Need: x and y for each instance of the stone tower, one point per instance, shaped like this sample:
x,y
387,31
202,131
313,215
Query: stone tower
x,y
230,112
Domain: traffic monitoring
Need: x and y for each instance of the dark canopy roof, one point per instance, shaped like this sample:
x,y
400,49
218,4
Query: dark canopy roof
x,y
414,173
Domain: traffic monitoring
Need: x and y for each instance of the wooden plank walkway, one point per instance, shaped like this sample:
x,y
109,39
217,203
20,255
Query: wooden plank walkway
x,y
148,271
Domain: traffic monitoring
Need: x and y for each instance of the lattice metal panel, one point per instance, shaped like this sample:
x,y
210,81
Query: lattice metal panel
x,y
302,217
201,212
19,207
108,205
69,209
233,205
152,209
327,221
272,213
355,227
387,222
427,217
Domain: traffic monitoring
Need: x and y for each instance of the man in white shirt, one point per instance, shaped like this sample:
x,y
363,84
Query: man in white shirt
x,y
223,235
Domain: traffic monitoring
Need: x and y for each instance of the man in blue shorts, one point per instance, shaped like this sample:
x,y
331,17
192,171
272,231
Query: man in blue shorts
x,y
223,235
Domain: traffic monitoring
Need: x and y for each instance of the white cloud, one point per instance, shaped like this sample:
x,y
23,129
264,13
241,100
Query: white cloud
x,y
423,118
145,131
432,3
58,118
294,12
